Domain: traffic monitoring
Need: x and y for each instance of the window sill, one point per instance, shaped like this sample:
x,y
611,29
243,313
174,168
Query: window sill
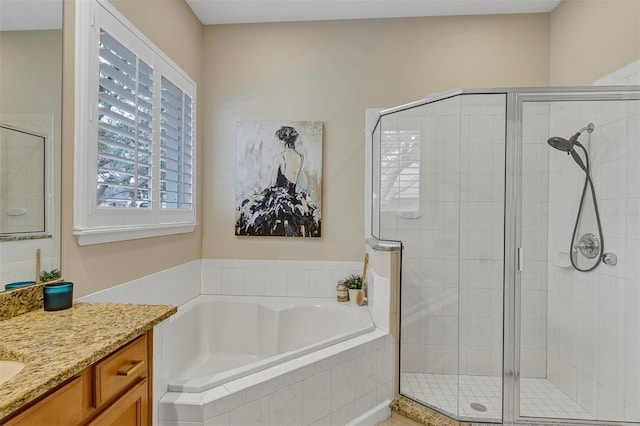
x,y
91,236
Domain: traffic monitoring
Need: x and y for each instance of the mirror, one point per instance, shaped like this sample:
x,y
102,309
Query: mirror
x,y
30,138
22,177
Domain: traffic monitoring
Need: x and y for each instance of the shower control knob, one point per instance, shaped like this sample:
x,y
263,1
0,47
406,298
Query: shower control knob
x,y
610,259
589,246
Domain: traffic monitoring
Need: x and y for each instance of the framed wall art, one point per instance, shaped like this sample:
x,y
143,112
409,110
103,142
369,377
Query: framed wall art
x,y
279,179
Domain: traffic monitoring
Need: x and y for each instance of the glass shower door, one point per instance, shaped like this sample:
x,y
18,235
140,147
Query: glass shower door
x,y
430,234
579,311
442,167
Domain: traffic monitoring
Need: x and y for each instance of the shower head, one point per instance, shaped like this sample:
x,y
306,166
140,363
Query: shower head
x,y
565,145
561,144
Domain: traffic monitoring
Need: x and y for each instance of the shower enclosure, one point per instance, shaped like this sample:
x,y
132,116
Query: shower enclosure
x,y
520,291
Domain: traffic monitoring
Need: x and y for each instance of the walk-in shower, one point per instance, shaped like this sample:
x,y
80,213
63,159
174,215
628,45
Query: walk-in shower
x,y
499,321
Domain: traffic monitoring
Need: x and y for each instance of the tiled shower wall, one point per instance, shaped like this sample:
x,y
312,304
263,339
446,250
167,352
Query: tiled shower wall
x,y
452,261
594,318
534,225
482,167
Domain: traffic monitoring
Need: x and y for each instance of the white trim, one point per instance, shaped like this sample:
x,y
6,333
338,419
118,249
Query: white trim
x,y
370,118
83,117
89,236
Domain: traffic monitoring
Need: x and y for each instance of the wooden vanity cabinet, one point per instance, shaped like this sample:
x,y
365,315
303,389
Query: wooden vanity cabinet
x,y
130,409
114,391
58,408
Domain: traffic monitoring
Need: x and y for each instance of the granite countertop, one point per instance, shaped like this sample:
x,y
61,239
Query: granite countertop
x,y
59,344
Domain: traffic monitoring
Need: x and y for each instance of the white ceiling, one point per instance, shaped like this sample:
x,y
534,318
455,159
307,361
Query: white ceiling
x,y
47,14
249,11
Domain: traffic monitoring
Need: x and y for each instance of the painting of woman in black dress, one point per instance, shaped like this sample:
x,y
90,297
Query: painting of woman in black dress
x,y
279,179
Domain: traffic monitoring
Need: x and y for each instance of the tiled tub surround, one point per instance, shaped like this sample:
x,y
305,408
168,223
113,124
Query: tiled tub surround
x,y
180,284
333,386
281,278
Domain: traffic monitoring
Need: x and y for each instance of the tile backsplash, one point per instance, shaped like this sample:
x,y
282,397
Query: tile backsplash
x,y
283,278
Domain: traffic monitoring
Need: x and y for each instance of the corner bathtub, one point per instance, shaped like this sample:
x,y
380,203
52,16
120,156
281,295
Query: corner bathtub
x,y
218,339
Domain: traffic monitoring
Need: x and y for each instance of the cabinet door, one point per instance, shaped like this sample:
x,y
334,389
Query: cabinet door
x,y
60,408
129,410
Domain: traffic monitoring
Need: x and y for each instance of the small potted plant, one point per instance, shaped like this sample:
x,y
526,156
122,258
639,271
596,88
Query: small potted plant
x,y
52,275
353,284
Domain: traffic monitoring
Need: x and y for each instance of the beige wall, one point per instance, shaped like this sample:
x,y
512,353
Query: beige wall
x,y
592,38
172,26
31,72
93,268
331,71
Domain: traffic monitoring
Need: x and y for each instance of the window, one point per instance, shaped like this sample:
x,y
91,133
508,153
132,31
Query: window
x,y
135,133
125,116
400,168
175,149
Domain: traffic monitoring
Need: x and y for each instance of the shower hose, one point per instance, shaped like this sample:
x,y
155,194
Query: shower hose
x,y
587,182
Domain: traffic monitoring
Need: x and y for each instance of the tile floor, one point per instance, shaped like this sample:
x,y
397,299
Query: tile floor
x,y
541,398
538,397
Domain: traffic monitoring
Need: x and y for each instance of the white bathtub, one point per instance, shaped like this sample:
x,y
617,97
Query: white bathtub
x,y
217,339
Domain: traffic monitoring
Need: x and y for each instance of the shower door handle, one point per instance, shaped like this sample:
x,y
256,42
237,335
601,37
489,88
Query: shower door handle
x,y
520,261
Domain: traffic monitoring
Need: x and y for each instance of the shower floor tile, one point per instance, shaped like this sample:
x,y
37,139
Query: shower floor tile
x,y
538,397
440,391
541,398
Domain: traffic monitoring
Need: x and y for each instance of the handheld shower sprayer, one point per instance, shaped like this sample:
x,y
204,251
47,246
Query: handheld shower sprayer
x,y
567,146
589,245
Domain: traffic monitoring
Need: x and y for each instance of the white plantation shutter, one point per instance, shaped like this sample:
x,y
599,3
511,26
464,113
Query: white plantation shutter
x,y
134,169
176,147
125,110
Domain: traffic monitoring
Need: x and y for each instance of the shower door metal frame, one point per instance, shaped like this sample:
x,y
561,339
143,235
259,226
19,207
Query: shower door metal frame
x,y
513,254
513,237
